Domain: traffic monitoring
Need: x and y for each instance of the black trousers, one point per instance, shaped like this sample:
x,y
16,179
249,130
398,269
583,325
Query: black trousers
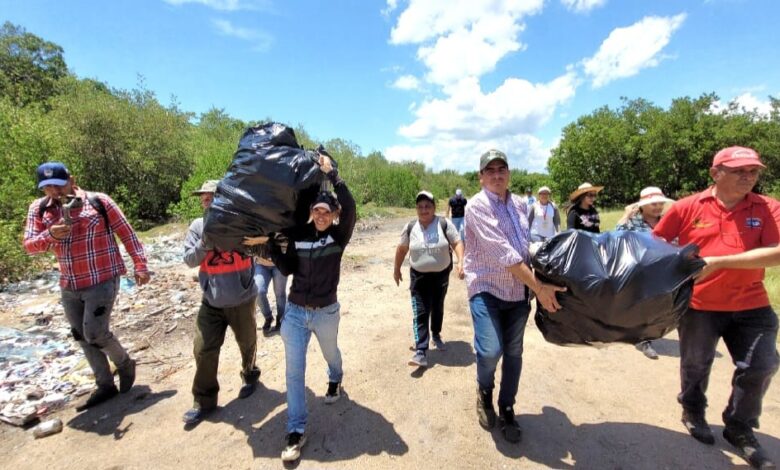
x,y
428,292
750,336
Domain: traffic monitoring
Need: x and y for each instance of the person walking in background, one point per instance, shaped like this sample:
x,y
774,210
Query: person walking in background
x,y
582,213
529,198
265,272
498,278
643,216
456,209
428,240
738,233
229,296
79,228
543,217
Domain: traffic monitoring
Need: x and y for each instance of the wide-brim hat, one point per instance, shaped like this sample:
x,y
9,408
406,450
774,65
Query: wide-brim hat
x,y
209,186
652,195
584,188
543,189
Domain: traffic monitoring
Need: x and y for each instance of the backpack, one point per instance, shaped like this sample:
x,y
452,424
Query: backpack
x,y
93,199
442,224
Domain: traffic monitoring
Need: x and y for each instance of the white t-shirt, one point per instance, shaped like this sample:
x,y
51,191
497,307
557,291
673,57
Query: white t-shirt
x,y
542,223
429,250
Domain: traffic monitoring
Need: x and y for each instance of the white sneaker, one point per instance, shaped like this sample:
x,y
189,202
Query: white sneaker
x,y
295,442
419,360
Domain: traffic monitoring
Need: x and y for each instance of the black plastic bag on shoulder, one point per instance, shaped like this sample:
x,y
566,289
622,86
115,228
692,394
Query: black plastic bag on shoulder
x,y
622,286
267,189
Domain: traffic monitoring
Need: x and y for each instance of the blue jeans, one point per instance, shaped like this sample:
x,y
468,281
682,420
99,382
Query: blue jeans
x,y
263,276
458,223
750,336
499,327
298,324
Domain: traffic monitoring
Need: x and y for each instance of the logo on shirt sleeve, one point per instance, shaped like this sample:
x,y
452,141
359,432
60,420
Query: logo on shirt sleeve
x,y
752,222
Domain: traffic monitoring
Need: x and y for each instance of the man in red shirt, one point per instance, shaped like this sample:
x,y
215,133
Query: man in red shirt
x,y
79,227
738,233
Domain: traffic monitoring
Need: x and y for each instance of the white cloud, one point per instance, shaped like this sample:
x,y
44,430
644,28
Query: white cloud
x,y
524,151
583,6
391,6
746,102
453,132
226,5
407,82
462,38
260,39
628,50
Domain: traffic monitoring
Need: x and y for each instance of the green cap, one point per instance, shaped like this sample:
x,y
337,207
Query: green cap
x,y
491,155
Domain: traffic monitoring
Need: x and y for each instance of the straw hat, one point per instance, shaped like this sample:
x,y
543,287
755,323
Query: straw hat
x,y
651,195
584,188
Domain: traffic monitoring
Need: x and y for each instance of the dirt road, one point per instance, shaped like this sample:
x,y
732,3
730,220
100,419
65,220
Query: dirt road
x,y
579,407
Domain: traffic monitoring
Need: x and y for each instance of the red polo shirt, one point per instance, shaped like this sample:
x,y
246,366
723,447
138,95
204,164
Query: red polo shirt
x,y
702,219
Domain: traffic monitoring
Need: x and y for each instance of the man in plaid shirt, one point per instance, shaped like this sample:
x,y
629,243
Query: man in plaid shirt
x,y
79,228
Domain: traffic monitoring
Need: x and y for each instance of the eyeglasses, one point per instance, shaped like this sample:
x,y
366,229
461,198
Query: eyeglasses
x,y
591,195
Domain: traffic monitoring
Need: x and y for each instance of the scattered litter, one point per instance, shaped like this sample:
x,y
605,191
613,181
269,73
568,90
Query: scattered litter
x,y
47,428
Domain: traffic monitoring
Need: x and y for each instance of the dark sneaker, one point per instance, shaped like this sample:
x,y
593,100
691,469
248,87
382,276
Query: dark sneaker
x,y
697,427
749,448
438,343
419,359
97,397
267,326
647,349
275,329
295,442
509,426
334,392
127,376
195,415
485,411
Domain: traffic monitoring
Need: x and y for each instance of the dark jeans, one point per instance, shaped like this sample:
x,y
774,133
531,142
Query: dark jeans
x,y
89,314
750,336
211,326
428,293
499,327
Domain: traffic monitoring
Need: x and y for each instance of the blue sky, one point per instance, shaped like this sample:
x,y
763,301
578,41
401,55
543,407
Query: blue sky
x,y
433,81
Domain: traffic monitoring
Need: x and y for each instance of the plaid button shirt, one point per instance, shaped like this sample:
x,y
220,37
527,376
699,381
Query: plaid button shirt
x,y
89,255
496,238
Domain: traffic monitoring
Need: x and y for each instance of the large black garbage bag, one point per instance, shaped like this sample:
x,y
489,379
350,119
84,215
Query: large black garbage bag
x,y
268,187
621,286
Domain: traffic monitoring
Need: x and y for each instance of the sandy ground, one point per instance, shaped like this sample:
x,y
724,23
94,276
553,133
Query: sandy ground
x,y
586,408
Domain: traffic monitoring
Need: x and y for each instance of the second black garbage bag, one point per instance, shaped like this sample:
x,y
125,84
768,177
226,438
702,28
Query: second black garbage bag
x,y
621,286
267,188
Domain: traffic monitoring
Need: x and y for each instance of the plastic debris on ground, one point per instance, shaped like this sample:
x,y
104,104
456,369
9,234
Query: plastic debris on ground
x,y
42,368
621,286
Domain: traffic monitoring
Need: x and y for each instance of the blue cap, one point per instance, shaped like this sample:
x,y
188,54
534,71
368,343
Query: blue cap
x,y
52,173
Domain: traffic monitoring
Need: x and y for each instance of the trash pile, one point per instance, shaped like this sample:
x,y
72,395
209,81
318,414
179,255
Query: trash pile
x,y
42,368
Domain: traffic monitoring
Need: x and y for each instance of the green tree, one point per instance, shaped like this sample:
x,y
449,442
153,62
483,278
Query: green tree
x,y
30,67
126,144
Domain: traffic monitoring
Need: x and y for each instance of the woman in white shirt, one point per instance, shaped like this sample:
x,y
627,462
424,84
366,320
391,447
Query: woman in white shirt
x,y
543,217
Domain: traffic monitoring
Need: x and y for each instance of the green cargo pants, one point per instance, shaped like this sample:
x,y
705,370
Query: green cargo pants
x,y
211,326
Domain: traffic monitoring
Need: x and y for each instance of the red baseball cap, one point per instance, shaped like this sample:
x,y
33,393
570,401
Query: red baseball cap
x,y
735,157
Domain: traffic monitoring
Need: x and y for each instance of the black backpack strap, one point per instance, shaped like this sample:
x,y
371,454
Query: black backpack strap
x,y
409,227
42,206
443,225
95,201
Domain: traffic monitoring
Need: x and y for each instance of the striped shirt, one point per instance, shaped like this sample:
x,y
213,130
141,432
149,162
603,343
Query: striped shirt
x,y
89,255
496,238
